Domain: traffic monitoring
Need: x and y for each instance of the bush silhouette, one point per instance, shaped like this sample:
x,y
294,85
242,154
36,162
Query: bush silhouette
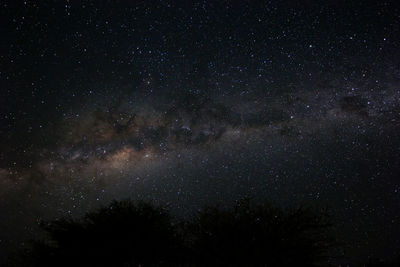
x,y
260,236
375,262
138,234
122,234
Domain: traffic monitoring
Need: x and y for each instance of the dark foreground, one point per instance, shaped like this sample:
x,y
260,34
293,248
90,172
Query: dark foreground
x,y
130,233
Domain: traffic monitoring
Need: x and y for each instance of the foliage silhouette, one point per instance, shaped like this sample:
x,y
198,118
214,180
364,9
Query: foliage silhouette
x,y
260,236
130,233
375,262
122,234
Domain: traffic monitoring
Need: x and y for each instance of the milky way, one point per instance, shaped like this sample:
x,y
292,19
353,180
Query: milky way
x,y
202,103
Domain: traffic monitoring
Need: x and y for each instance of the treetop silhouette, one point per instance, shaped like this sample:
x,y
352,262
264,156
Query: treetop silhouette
x,y
128,233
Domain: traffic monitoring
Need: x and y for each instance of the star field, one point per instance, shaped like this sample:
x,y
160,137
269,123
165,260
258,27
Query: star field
x,y
194,103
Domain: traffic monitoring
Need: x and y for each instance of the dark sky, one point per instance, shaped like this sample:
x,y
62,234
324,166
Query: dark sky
x,y
192,103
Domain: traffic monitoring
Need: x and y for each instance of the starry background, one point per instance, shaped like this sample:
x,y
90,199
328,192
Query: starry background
x,y
194,103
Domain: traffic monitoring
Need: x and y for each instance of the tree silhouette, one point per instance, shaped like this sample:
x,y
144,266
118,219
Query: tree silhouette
x,y
260,236
375,262
138,234
122,234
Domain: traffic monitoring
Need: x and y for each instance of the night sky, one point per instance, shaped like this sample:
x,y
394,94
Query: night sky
x,y
197,103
